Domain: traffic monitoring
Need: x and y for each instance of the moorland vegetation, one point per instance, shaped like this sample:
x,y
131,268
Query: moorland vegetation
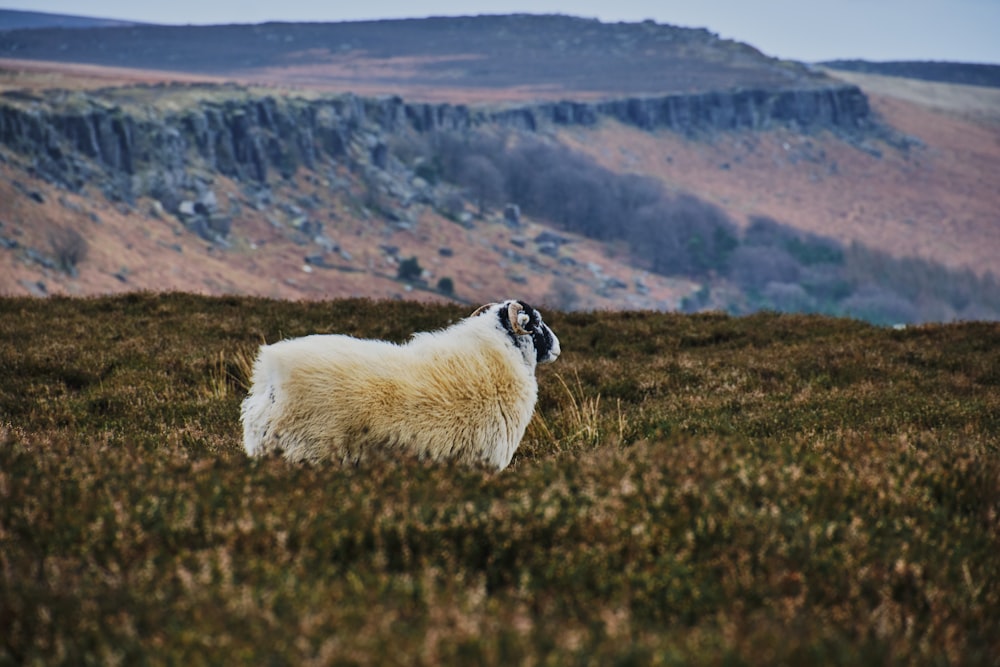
x,y
384,163
694,489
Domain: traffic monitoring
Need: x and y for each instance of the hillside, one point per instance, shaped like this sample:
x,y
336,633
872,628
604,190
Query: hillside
x,y
893,189
695,489
967,74
541,57
293,223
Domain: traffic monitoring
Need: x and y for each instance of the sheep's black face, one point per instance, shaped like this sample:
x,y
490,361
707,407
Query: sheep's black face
x,y
529,333
545,342
539,335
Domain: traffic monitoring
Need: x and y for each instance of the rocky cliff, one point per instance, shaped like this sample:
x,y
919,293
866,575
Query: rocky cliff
x,y
157,150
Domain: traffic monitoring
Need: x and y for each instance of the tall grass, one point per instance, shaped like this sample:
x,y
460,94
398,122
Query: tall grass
x,y
231,372
693,490
577,425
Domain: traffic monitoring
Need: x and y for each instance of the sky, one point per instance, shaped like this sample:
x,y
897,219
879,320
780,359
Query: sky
x,y
805,30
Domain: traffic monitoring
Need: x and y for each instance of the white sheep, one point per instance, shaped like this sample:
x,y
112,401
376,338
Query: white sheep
x,y
465,393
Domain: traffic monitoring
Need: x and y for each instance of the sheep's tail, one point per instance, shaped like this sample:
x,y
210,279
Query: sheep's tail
x,y
258,411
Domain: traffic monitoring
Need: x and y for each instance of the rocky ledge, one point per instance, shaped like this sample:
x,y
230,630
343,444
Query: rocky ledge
x,y
230,131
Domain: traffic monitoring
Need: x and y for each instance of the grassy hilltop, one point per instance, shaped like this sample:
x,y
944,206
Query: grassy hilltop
x,y
703,489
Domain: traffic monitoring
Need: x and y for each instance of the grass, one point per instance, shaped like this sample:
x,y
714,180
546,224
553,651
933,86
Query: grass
x,y
694,490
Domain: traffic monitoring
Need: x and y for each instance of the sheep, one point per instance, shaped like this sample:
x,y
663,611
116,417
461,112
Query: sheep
x,y
465,393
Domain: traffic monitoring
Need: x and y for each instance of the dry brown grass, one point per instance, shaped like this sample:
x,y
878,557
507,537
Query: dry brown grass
x,y
972,102
696,490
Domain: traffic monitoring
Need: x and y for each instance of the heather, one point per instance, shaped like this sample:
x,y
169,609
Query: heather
x,y
695,489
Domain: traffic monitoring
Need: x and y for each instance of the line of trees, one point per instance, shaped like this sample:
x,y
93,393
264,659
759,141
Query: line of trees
x,y
674,235
773,265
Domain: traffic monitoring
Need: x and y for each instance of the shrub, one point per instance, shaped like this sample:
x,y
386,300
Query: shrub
x,y
879,305
483,180
752,267
427,171
787,298
446,286
763,230
815,250
410,270
69,248
807,249
683,236
451,205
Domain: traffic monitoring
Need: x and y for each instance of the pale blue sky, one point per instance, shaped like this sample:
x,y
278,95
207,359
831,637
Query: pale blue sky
x,y
957,30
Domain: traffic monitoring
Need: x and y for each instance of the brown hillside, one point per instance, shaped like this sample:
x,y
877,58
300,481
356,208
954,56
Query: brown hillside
x,y
938,200
135,248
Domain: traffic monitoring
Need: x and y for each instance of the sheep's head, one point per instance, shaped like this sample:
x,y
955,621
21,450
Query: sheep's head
x,y
525,327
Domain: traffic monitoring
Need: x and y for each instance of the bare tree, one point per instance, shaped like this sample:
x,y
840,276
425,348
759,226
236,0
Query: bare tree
x,y
483,180
754,267
683,236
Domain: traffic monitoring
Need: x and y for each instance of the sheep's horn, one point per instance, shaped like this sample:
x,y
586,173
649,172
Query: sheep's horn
x,y
482,309
514,311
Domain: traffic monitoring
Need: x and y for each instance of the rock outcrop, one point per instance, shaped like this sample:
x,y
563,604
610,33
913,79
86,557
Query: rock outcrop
x,y
252,138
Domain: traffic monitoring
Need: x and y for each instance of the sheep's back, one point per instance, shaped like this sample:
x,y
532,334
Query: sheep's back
x,y
345,398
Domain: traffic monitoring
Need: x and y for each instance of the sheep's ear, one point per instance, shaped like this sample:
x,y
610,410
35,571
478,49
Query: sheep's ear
x,y
523,319
482,309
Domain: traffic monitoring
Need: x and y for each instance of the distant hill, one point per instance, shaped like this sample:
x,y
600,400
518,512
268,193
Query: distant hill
x,y
574,163
969,74
15,19
549,56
